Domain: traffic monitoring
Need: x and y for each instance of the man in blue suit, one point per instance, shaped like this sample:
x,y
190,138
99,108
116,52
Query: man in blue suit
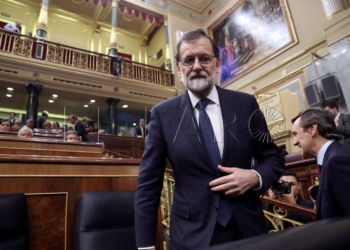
x,y
316,134
211,137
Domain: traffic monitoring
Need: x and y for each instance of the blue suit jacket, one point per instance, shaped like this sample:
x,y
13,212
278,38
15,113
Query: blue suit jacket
x,y
333,191
81,130
173,134
137,131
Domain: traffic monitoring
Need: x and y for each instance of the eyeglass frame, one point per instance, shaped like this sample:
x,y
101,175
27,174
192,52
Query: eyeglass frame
x,y
197,57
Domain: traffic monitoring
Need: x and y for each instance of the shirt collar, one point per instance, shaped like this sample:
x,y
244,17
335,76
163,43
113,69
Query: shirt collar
x,y
213,96
322,152
337,117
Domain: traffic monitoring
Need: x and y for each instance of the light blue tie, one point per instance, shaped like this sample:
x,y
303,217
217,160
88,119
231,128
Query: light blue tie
x,y
211,145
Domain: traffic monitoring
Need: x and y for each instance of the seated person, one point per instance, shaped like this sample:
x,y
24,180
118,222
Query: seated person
x,y
60,132
293,198
47,125
5,125
30,123
55,125
16,124
101,132
94,128
121,133
72,136
25,132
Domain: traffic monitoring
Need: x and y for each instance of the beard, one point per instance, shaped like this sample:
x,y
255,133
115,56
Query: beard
x,y
198,84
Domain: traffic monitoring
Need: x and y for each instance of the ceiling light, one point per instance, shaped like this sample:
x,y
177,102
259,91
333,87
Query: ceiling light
x,y
51,101
134,124
92,100
125,106
55,95
8,95
9,88
86,106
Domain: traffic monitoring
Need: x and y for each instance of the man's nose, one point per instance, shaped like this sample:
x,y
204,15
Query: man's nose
x,y
197,66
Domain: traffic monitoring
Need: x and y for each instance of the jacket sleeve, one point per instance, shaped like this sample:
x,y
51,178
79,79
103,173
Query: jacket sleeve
x,y
344,128
150,183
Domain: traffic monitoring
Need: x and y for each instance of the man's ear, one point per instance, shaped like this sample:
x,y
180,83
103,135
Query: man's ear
x,y
313,129
178,69
217,64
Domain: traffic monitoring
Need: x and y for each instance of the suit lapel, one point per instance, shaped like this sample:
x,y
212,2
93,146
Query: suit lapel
x,y
229,116
187,128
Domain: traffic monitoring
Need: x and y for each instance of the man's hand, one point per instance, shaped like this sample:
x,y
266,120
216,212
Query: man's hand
x,y
288,198
236,183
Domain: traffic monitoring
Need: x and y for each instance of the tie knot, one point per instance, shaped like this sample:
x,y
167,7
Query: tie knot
x,y
203,103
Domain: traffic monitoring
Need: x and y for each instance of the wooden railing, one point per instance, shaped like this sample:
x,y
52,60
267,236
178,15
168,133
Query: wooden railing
x,y
52,52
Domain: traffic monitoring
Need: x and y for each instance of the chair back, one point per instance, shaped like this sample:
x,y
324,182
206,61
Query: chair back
x,y
105,220
14,230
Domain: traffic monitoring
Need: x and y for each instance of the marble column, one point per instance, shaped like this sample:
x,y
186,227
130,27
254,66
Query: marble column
x,y
112,114
167,51
113,39
41,30
332,7
34,90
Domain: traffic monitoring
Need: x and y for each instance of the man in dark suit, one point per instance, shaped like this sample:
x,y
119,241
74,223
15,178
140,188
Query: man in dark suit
x,y
141,131
217,189
315,133
342,122
78,127
42,119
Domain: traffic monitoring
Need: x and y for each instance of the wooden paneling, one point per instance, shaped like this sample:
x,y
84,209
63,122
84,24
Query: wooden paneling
x,y
128,146
31,175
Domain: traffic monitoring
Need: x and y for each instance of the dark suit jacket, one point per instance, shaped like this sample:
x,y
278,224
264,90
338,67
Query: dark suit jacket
x,y
343,129
333,191
81,130
41,122
137,131
173,133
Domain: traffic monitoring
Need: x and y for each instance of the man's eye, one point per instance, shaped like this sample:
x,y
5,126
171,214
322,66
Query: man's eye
x,y
189,60
204,58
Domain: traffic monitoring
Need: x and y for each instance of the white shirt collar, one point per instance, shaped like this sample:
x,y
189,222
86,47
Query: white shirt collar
x,y
322,152
337,117
213,96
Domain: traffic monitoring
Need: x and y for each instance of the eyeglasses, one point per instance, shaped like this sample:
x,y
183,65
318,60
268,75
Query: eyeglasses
x,y
203,59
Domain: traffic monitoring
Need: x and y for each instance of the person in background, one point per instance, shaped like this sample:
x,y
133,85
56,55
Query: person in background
x,y
72,136
60,132
47,126
12,118
78,127
70,128
140,130
13,27
25,132
16,125
42,119
121,133
30,123
55,125
5,125
342,122
94,128
316,135
101,131
86,121
294,198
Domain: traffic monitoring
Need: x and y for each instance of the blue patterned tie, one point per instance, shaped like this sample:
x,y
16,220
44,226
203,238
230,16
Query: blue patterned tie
x,y
211,145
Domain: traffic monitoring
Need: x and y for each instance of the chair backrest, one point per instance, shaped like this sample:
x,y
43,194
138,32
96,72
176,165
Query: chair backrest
x,y
14,230
105,220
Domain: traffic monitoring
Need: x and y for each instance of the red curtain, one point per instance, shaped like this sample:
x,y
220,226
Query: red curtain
x,y
137,13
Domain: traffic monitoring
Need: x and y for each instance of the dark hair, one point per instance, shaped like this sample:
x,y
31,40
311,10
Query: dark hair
x,y
290,173
324,120
5,120
73,116
331,105
194,35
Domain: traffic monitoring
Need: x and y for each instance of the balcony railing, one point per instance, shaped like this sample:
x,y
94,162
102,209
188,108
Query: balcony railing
x,y
25,46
